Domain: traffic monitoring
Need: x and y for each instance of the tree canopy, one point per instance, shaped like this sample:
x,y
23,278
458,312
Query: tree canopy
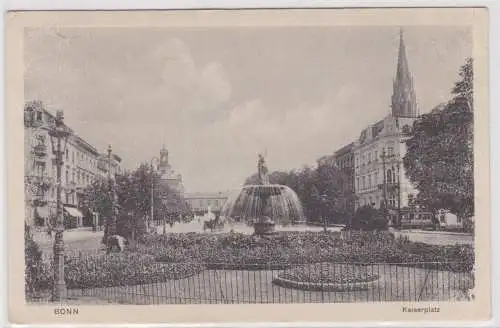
x,y
439,158
133,190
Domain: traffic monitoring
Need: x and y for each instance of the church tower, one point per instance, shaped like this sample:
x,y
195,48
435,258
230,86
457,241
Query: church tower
x,y
164,166
404,103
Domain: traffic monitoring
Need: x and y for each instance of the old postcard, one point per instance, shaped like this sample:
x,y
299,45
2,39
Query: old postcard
x,y
248,166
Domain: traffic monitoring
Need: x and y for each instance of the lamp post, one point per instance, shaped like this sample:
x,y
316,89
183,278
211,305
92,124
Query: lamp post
x,y
153,160
59,134
324,201
113,198
398,186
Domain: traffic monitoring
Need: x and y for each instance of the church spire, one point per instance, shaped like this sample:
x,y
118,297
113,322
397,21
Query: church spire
x,y
404,103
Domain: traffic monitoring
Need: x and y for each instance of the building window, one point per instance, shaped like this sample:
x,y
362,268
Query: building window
x,y
40,169
389,176
392,201
376,178
67,154
73,157
376,157
363,183
369,181
391,151
357,183
369,157
39,116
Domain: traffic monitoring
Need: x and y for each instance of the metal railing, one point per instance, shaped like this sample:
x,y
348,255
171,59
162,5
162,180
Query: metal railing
x,y
140,279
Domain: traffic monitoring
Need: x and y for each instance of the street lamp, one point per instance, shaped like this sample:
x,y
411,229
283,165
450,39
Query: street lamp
x,y
324,201
154,159
59,135
111,230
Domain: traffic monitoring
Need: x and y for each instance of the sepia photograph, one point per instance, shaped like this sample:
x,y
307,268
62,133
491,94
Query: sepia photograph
x,y
250,164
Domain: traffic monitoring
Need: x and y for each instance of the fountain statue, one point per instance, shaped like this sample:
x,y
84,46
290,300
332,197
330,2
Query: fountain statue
x,y
264,204
262,171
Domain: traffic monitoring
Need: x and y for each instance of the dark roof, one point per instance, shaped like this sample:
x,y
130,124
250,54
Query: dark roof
x,y
377,128
347,148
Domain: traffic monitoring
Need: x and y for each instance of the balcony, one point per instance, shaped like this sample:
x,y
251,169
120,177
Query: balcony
x,y
37,187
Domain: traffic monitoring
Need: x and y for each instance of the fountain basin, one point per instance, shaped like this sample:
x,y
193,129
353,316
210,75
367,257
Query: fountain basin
x,y
279,203
264,226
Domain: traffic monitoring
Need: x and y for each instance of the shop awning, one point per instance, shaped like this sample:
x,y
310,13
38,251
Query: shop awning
x,y
73,212
42,212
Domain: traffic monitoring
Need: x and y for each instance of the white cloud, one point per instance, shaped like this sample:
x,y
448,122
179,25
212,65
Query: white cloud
x,y
215,83
292,138
193,86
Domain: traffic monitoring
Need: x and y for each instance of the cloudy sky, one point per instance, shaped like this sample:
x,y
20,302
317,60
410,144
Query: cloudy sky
x,y
217,96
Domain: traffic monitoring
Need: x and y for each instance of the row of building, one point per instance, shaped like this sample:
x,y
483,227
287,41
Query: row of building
x,y
83,164
373,162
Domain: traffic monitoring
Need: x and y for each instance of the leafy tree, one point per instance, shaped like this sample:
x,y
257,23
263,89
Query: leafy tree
x,y
439,159
133,190
329,180
96,198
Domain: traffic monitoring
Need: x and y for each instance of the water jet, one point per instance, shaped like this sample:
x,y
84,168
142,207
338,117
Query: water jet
x,y
264,205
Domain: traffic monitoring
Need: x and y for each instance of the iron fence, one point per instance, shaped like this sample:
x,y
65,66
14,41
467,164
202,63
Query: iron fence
x,y
139,279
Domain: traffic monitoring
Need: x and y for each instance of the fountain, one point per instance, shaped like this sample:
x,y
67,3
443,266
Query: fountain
x,y
264,204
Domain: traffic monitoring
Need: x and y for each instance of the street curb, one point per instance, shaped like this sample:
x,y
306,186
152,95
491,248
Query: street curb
x,y
437,232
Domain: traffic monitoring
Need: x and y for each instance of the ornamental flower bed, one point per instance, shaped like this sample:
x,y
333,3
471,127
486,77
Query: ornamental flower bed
x,y
124,269
247,252
327,276
329,273
119,269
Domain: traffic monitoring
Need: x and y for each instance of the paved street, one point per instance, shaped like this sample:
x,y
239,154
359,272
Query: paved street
x,y
438,237
77,240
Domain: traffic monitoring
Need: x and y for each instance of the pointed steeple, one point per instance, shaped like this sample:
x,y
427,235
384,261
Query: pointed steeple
x,y
404,103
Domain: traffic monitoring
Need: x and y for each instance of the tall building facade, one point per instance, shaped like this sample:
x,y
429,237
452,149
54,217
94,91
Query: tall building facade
x,y
379,173
344,160
200,202
80,169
